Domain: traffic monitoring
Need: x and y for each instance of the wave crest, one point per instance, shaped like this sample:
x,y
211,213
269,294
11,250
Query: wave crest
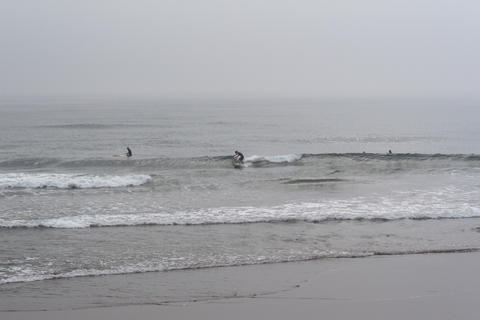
x,y
222,161
430,205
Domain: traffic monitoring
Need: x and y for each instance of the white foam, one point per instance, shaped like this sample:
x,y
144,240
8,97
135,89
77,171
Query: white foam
x,y
26,274
275,159
448,202
69,181
29,275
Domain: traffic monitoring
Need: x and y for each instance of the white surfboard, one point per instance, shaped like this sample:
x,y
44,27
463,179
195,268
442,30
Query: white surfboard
x,y
237,164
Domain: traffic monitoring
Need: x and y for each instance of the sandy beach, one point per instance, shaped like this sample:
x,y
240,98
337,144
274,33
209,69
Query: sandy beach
x,y
424,286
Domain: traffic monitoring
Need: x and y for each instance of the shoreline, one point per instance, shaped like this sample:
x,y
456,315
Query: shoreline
x,y
423,286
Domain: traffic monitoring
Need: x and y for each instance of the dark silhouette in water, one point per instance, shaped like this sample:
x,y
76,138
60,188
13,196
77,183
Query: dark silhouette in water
x,y
238,156
129,152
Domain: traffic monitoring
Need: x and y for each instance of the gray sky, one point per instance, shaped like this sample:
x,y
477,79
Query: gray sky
x,y
241,47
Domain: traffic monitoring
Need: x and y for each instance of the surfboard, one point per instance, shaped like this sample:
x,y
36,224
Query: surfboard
x,y
118,155
237,164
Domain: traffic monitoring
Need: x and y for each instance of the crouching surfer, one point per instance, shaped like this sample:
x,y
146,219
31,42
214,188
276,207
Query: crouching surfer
x,y
238,157
238,160
129,153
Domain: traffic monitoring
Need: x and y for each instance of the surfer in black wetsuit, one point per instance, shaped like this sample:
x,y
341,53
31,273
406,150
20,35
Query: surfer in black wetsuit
x,y
238,156
129,153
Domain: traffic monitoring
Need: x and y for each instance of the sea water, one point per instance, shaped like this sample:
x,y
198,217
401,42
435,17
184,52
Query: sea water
x,y
318,182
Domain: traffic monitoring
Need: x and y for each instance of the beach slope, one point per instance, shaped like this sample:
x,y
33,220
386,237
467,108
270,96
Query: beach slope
x,y
423,286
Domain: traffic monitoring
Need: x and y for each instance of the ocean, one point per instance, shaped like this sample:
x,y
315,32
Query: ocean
x,y
318,183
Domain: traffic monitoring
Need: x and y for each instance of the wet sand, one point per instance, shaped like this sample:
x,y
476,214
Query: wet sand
x,y
423,286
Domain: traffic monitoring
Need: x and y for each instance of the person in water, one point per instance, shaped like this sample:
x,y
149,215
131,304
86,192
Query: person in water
x,y
238,156
129,153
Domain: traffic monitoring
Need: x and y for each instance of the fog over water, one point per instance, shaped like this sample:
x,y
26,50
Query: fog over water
x,y
314,93
240,48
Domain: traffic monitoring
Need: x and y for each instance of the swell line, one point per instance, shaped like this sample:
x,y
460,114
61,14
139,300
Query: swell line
x,y
215,161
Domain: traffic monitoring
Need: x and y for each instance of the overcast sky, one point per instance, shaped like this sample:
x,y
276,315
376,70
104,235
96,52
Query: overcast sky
x,y
241,47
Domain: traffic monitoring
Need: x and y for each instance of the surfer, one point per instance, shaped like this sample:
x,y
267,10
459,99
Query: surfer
x,y
238,156
129,153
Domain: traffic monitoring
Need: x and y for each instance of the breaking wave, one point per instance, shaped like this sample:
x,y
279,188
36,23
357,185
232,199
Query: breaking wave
x,y
448,203
68,181
271,160
275,159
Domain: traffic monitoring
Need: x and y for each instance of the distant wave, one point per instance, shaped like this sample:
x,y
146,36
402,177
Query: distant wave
x,y
68,181
89,126
225,161
193,162
446,203
311,181
395,156
240,261
27,163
